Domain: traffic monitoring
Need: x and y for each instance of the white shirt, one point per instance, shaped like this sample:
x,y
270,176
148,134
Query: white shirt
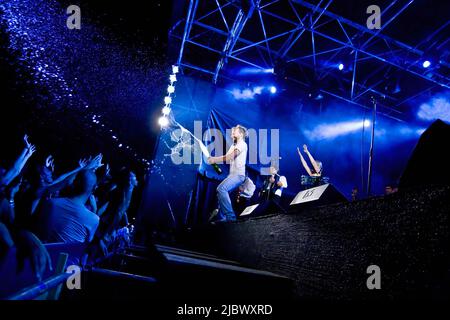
x,y
280,189
63,220
237,165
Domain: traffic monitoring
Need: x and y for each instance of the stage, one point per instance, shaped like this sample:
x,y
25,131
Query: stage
x,y
327,250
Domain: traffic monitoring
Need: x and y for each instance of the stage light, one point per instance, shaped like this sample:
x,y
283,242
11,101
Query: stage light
x,y
167,100
175,69
170,89
166,110
172,78
341,66
273,89
316,96
330,131
163,121
120,145
250,70
366,123
426,64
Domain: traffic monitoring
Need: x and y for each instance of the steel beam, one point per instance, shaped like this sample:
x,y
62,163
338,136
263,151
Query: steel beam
x,y
385,24
187,27
233,36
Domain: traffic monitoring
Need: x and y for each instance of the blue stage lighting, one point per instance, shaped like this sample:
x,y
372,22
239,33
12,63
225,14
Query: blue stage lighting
x,y
246,94
250,70
341,66
273,89
436,108
420,131
426,64
333,130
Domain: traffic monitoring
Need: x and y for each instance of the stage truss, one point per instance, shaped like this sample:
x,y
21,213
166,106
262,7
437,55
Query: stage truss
x,y
304,42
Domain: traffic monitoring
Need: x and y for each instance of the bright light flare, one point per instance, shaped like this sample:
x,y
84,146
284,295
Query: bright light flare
x,y
273,89
163,122
166,110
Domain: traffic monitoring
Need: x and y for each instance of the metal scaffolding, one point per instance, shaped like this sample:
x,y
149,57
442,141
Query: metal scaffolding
x,y
260,34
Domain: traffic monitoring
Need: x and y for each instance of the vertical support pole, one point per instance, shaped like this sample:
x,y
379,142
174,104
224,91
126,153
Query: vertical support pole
x,y
372,141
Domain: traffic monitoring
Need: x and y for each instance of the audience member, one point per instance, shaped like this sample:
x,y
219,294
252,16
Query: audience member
x,y
35,206
68,219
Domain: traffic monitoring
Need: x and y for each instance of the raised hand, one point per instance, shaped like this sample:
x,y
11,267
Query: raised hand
x,y
132,180
30,150
83,162
50,162
27,143
95,163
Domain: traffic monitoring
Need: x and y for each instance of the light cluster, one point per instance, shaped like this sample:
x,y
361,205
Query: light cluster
x,y
163,121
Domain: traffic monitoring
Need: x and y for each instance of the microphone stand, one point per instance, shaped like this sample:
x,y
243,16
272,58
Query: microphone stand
x,y
372,140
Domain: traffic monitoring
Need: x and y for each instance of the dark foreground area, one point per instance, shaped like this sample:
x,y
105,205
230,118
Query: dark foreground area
x,y
316,254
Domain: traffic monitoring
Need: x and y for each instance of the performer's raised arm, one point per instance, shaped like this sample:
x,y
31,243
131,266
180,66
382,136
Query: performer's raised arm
x,y
316,164
305,165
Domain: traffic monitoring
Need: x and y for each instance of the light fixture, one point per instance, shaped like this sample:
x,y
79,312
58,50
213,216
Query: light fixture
x,y
163,121
170,89
273,89
166,110
172,78
175,69
341,66
426,64
167,100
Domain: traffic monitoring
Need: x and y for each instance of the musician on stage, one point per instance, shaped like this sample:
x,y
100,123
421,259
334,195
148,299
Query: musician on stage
x,y
245,193
314,177
236,157
273,186
316,170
